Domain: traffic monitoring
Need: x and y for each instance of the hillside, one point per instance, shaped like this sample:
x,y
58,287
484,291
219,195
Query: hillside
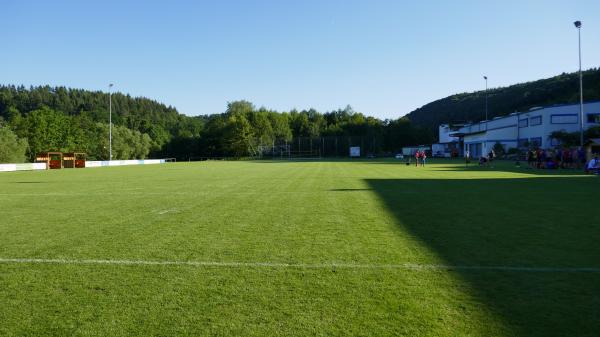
x,y
464,107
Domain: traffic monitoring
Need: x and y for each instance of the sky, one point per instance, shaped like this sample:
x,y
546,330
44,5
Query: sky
x,y
383,58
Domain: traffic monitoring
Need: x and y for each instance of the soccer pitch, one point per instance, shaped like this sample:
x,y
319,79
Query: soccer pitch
x,y
315,248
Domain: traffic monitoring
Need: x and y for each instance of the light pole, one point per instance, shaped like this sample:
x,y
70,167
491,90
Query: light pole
x,y
578,26
486,101
518,136
110,121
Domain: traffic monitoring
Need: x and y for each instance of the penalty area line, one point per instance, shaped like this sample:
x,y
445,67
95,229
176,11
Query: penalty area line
x,y
406,266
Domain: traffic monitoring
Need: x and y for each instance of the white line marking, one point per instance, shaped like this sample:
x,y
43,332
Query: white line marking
x,y
408,266
165,211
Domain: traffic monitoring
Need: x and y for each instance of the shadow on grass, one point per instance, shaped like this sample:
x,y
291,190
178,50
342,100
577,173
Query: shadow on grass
x,y
541,222
507,167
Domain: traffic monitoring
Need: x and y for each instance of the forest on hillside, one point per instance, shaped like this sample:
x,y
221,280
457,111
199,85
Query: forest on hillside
x,y
470,107
47,118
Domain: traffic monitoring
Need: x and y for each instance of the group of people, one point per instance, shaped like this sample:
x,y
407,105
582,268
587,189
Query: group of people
x,y
487,161
420,157
561,158
483,160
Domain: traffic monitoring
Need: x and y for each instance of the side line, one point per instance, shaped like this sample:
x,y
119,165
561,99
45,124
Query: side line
x,y
408,266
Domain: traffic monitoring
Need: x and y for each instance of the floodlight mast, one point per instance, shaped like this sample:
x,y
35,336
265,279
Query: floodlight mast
x,y
578,26
486,101
110,121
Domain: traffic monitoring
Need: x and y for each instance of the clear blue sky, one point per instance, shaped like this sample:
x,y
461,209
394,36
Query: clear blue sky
x,y
384,58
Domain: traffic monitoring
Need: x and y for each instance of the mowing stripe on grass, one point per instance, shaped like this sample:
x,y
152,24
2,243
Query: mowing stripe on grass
x,y
410,266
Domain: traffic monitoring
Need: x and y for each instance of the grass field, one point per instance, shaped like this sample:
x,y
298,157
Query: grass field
x,y
365,248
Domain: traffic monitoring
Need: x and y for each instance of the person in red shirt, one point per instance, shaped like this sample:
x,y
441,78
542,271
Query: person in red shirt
x,y
417,156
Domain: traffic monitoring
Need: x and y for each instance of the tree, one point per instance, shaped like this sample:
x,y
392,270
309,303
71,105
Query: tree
x,y
499,150
238,136
64,119
261,126
281,126
12,149
45,130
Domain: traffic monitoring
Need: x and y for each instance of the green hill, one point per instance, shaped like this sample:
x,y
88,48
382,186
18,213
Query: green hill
x,y
466,107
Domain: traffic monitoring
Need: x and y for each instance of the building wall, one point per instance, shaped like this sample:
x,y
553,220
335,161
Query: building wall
x,y
444,132
533,127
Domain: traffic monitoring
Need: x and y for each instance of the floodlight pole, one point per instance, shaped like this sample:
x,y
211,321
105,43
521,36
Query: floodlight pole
x,y
110,121
518,136
578,26
486,101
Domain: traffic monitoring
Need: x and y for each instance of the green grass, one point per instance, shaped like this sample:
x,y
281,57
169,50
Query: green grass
x,y
314,216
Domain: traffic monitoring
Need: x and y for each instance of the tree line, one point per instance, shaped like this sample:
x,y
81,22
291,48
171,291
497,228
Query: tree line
x,y
48,118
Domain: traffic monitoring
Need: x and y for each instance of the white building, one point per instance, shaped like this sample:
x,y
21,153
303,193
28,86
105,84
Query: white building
x,y
448,145
532,128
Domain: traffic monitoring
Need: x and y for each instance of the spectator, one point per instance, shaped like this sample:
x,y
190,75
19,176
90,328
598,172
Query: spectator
x,y
567,158
417,156
593,166
575,160
467,157
491,157
530,158
581,156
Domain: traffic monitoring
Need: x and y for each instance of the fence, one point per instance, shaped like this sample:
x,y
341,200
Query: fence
x,y
330,146
22,167
104,163
124,162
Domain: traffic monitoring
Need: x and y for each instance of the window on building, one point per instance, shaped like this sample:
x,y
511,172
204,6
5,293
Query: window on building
x,y
537,120
564,119
523,123
555,142
535,142
593,118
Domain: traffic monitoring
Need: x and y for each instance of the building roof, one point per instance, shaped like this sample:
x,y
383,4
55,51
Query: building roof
x,y
532,110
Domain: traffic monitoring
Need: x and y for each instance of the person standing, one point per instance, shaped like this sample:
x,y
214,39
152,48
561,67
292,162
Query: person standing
x,y
574,159
491,157
423,157
582,157
568,159
417,156
593,166
467,157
